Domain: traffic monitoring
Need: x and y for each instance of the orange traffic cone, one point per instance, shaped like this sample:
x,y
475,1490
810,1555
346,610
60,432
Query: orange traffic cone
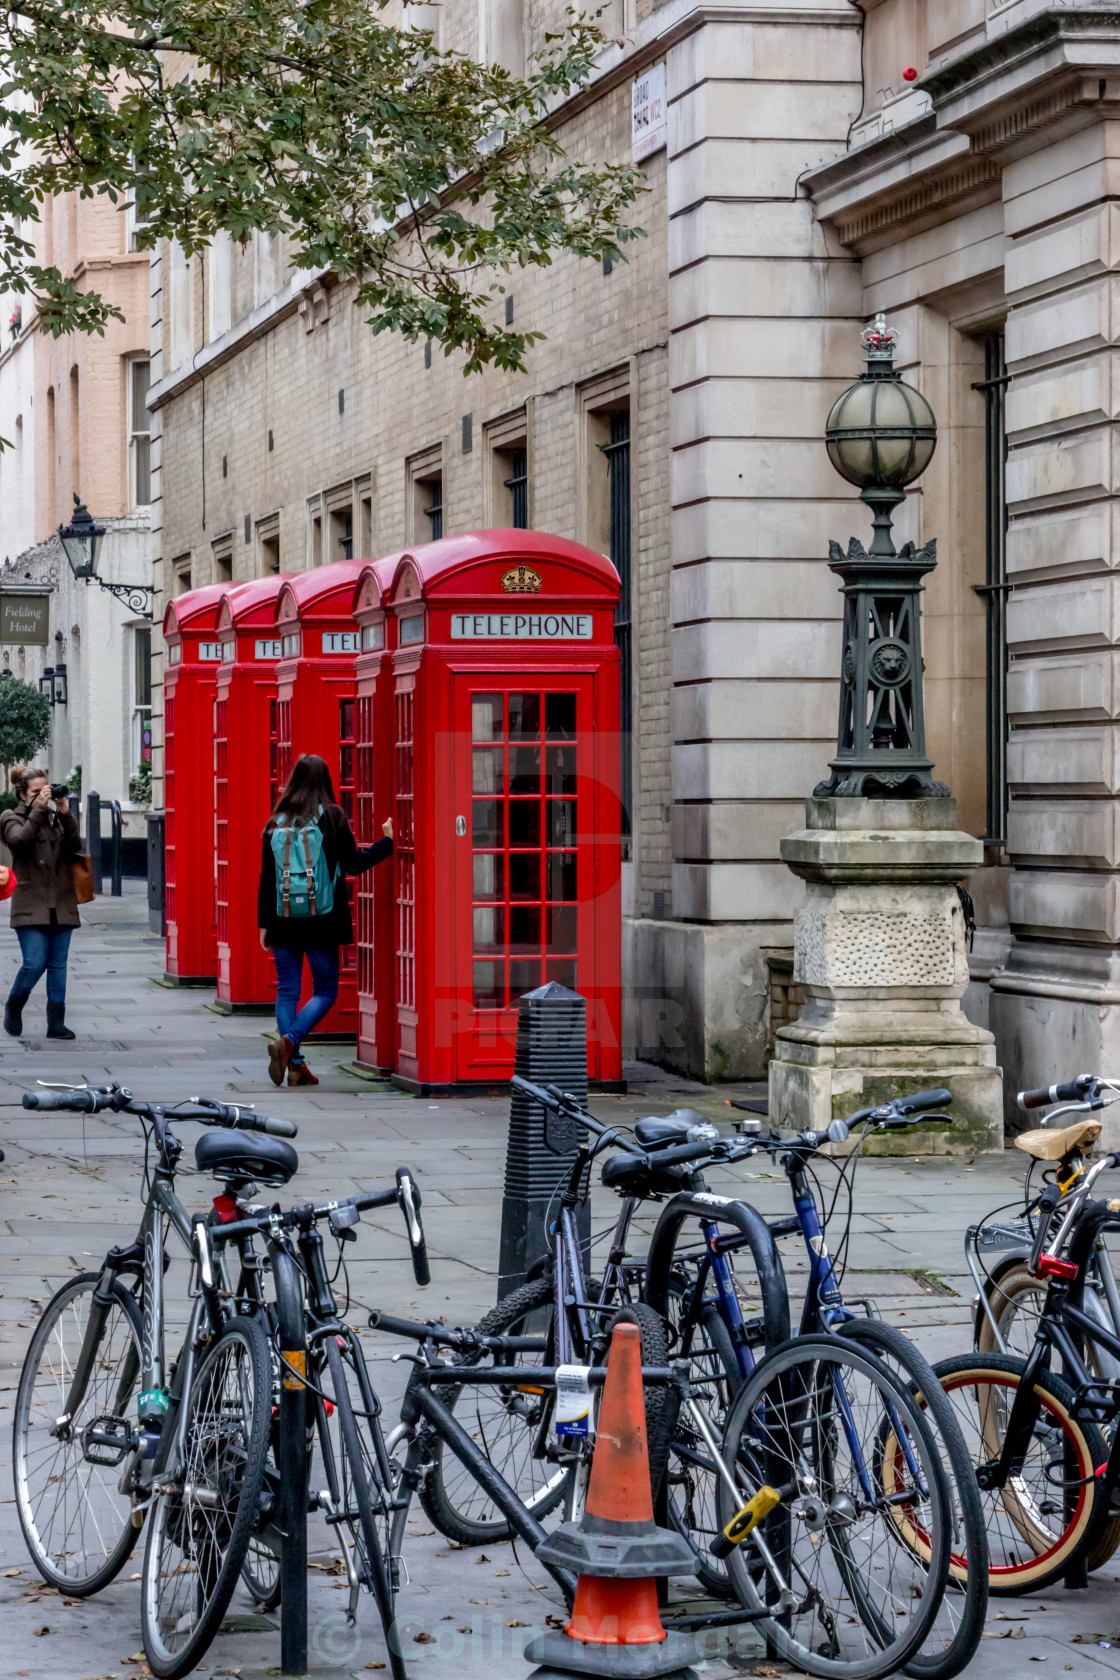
x,y
616,1550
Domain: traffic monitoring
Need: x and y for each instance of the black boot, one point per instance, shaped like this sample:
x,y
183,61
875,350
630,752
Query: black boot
x,y
13,1013
56,1021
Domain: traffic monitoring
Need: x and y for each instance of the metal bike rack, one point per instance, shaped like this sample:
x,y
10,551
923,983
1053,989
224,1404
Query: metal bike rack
x,y
291,1462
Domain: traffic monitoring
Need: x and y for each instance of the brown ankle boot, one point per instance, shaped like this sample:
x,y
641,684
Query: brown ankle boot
x,y
300,1074
280,1053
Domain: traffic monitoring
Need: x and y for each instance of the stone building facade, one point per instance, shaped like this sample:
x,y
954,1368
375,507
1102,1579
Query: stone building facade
x,y
73,413
948,161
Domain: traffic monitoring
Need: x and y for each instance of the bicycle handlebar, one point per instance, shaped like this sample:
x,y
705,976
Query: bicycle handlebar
x,y
1070,1090
95,1100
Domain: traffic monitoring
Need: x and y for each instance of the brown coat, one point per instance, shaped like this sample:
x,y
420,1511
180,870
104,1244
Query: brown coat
x,y
41,853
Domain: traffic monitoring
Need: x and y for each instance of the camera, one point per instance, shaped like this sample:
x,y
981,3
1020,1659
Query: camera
x,y
59,790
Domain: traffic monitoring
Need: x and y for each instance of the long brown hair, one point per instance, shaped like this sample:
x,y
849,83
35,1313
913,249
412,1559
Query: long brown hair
x,y
308,787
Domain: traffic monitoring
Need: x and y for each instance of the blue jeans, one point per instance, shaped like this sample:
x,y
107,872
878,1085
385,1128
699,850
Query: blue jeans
x,y
43,948
295,1022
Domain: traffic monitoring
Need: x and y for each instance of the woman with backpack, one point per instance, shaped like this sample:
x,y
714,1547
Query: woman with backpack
x,y
303,908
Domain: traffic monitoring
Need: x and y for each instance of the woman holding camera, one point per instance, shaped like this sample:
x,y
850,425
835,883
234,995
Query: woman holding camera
x,y
43,839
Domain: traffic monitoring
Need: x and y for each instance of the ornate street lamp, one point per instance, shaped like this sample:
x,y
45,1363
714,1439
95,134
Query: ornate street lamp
x,y
81,541
46,684
881,435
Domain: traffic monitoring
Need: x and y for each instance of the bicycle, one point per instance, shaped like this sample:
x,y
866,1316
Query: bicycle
x,y
876,1612
649,1166
956,1634
1009,1296
195,1463
1046,1472
360,1499
719,1347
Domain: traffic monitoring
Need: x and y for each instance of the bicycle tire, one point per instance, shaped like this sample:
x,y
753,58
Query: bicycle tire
x,y
1052,1549
232,1487
959,1626
27,1448
449,1496
790,1426
660,1402
1010,1282
375,1562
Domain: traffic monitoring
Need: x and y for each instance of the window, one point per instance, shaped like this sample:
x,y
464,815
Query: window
x,y
506,483
219,301
181,575
52,454
993,389
134,223
266,266
179,337
139,433
503,34
317,542
433,507
268,546
221,550
342,535
425,493
75,430
365,525
141,697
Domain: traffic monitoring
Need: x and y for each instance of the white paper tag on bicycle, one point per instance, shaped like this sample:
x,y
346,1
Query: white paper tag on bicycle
x,y
573,1401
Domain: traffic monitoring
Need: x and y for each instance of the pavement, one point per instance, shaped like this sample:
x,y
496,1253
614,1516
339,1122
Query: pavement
x,y
70,1186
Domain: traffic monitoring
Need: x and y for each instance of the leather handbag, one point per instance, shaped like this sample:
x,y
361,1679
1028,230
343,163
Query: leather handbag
x,y
81,877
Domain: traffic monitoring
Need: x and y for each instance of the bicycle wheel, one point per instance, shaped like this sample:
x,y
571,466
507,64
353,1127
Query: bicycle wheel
x,y
207,1505
1032,1539
506,1422
702,1338
365,1499
1016,1297
957,1630
807,1422
75,1520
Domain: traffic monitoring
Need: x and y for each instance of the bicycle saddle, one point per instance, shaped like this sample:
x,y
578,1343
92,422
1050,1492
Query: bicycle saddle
x,y
228,1154
670,1128
1045,1145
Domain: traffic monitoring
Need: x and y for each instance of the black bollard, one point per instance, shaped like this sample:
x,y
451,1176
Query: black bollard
x,y
93,838
551,1050
116,846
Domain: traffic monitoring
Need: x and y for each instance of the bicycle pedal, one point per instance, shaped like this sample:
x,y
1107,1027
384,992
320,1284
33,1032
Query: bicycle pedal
x,y
108,1440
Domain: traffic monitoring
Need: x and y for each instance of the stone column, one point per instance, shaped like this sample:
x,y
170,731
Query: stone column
x,y
880,953
765,309
1056,1006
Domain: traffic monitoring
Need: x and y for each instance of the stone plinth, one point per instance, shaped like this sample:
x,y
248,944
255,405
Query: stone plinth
x,y
879,949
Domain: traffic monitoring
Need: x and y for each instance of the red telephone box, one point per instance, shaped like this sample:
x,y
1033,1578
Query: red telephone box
x,y
374,921
506,748
244,714
193,653
315,711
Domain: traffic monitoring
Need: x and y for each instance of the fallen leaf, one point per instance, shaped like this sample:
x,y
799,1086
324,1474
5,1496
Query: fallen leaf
x,y
477,1601
555,1621
482,1558
513,1622
13,1571
382,1665
39,1632
501,1572
424,1639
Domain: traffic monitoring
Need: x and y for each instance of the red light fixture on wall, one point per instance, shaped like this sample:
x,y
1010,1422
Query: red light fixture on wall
x,y
910,74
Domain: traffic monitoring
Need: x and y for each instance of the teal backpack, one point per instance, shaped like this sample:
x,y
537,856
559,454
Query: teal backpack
x,y
304,880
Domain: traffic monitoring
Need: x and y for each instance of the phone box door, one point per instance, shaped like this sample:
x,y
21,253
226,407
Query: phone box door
x,y
528,808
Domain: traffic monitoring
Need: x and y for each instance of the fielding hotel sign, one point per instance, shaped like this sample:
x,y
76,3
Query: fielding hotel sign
x,y
24,616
